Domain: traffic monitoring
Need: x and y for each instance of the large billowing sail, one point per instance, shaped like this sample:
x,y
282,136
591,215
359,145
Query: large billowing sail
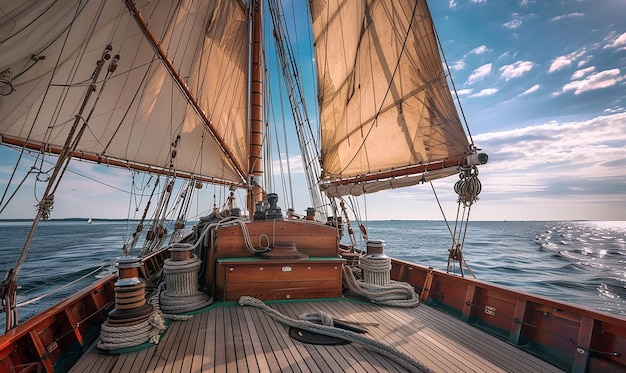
x,y
50,49
387,115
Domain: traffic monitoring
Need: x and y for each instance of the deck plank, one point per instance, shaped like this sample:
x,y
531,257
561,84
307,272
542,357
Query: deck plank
x,y
95,362
198,346
410,336
331,364
220,340
251,356
227,337
210,340
275,343
184,355
347,357
266,348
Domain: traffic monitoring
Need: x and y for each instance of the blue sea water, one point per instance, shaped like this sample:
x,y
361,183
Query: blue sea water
x,y
580,262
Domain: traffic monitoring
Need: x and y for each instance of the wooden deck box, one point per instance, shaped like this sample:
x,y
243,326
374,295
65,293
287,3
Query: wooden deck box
x,y
316,277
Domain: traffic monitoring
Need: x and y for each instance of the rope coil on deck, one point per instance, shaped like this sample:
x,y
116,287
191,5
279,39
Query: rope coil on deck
x,y
396,294
376,270
181,287
114,337
388,351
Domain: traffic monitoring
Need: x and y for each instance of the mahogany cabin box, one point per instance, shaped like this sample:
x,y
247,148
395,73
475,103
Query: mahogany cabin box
x,y
309,237
276,279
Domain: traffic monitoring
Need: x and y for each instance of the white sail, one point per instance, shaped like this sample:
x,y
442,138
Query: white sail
x,y
46,62
386,108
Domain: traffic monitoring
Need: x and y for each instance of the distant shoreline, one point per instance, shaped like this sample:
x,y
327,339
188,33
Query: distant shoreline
x,y
384,220
66,219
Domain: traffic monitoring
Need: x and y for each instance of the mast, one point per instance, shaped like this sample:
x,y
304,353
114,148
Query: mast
x,y
255,161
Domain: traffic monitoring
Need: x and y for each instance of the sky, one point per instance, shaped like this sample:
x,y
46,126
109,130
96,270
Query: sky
x,y
543,88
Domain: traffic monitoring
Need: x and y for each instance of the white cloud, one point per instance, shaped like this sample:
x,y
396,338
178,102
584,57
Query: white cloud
x,y
452,4
564,61
617,109
462,92
586,147
515,70
619,42
295,164
571,15
583,61
485,92
479,73
582,72
479,50
602,79
513,24
458,65
531,90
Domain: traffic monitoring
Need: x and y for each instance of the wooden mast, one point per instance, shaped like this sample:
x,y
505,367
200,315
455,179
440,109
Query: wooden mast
x,y
255,161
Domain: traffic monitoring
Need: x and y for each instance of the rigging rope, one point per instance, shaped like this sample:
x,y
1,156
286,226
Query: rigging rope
x,y
55,290
468,188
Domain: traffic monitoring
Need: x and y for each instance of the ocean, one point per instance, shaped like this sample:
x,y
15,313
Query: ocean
x,y
580,262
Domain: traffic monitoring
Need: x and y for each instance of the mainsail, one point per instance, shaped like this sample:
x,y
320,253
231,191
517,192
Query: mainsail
x,y
387,115
49,51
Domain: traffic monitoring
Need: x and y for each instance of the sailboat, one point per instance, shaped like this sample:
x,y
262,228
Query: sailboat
x,y
180,91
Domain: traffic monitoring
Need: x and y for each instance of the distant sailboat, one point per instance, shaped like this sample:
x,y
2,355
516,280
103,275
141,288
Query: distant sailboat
x,y
89,220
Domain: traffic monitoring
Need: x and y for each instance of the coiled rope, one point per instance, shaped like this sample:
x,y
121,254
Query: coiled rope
x,y
376,270
114,337
180,292
175,304
396,294
468,187
385,350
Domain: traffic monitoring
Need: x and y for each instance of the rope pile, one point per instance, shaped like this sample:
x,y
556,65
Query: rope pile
x,y
376,270
395,293
114,337
181,287
388,351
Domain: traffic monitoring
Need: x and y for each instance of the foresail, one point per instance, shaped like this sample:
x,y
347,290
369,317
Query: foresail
x,y
137,112
386,108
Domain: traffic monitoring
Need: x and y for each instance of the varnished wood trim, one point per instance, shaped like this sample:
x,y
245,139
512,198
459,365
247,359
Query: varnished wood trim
x,y
470,299
581,357
518,319
427,284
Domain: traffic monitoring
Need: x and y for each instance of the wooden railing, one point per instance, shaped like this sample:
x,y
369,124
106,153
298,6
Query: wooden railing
x,y
573,338
53,340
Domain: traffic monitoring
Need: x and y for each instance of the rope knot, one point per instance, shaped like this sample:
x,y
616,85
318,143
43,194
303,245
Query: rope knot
x,y
45,206
320,316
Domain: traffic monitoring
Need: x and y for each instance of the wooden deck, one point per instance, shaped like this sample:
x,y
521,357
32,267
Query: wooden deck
x,y
231,338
